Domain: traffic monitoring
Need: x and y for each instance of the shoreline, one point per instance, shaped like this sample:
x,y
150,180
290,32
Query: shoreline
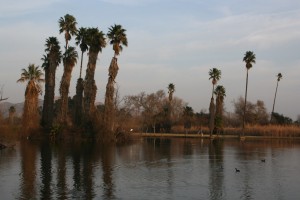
x,y
207,136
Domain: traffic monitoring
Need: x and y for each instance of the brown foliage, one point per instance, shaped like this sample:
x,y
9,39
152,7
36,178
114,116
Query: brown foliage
x,y
30,113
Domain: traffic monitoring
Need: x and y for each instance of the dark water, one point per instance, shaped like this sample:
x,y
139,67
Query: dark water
x,y
152,169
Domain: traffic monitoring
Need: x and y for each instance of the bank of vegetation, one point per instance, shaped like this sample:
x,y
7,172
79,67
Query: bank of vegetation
x,y
160,112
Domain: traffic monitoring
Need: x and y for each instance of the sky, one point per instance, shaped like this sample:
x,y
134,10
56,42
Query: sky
x,y
169,41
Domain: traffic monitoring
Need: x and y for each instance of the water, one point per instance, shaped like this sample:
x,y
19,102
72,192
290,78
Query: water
x,y
151,168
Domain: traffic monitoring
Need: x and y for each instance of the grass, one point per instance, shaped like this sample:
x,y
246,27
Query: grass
x,y
12,133
274,131
279,131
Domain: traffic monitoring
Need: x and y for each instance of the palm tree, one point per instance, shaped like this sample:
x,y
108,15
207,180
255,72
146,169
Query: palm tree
x,y
67,24
249,59
69,59
11,111
169,108
220,93
50,62
96,41
188,114
215,75
32,75
279,77
118,39
81,41
171,90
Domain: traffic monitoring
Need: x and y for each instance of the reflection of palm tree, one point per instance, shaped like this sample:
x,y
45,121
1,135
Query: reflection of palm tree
x,y
118,39
216,173
32,75
215,75
28,167
46,170
249,59
107,162
61,172
279,77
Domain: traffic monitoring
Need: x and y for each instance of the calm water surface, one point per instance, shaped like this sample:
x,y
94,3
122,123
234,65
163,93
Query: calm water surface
x,y
151,168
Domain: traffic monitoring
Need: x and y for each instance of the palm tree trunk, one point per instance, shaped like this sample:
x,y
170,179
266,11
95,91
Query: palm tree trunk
x,y
109,111
64,93
48,113
81,64
243,130
90,87
274,102
211,116
212,112
78,103
30,110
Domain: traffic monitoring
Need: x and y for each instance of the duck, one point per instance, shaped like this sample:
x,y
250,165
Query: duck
x,y
237,170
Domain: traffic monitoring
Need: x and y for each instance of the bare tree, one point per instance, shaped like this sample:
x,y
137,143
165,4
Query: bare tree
x,y
1,94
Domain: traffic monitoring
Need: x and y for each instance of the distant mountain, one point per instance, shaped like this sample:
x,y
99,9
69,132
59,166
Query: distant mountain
x,y
4,107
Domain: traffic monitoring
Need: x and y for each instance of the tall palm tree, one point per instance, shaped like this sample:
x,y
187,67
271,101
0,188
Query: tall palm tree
x,y
81,41
67,24
69,60
12,112
50,63
33,76
171,90
169,107
249,59
117,37
215,76
220,93
279,77
96,41
78,100
188,114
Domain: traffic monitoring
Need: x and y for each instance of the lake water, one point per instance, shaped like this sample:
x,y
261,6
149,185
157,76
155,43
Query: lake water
x,y
150,168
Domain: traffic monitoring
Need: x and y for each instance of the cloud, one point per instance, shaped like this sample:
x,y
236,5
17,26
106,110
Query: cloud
x,y
19,7
129,2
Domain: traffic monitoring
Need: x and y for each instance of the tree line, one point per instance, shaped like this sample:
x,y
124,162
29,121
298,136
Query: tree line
x,y
155,112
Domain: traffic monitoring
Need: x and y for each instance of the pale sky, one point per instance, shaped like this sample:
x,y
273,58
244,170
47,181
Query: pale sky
x,y
169,41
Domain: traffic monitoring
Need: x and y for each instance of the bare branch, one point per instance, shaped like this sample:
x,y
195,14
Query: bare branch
x,y
1,93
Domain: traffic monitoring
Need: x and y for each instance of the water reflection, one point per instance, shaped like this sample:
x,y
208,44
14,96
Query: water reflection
x,y
215,152
28,165
152,168
46,170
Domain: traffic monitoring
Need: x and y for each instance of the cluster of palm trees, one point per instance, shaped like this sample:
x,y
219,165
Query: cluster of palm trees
x,y
90,40
216,110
